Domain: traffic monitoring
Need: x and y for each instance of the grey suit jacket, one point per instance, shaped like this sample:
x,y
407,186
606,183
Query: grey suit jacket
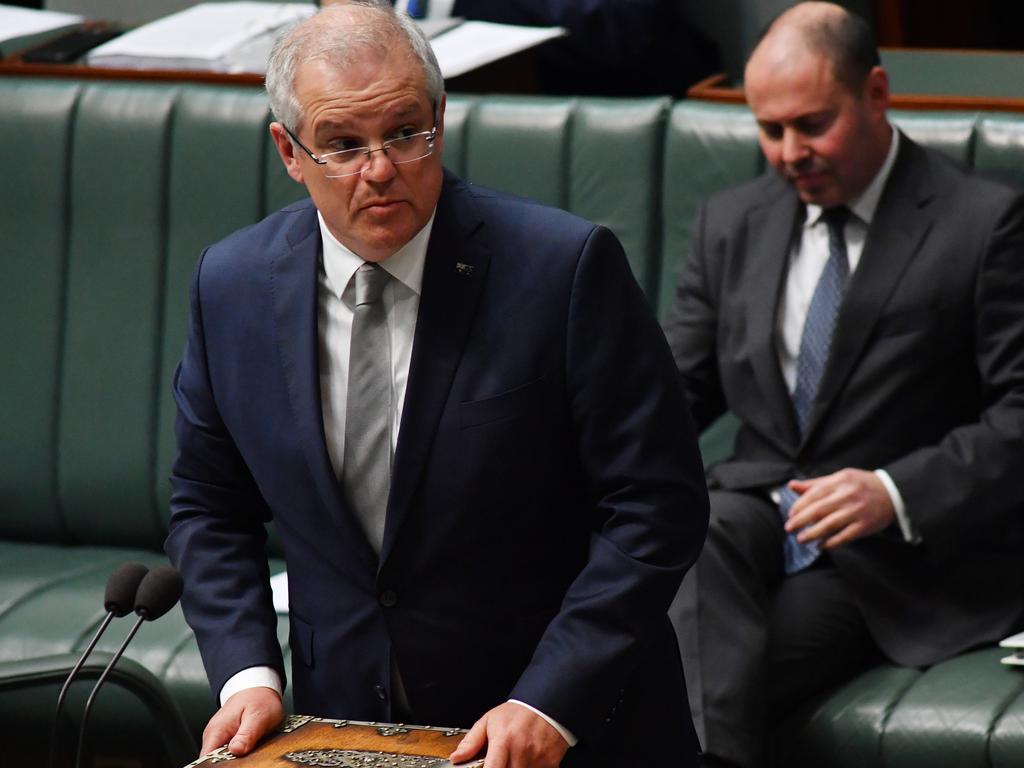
x,y
925,380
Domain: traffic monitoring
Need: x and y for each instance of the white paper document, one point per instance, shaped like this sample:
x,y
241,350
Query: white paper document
x,y
475,43
1013,641
1016,643
21,22
213,37
237,37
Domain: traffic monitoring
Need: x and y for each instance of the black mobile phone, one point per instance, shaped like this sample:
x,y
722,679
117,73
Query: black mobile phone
x,y
70,46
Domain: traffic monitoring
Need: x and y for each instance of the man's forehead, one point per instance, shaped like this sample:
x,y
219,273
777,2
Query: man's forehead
x,y
804,83
369,85
359,72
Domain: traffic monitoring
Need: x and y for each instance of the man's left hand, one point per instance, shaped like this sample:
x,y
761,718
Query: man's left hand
x,y
514,737
840,507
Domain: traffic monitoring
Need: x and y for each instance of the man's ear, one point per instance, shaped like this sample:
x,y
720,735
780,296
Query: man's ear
x,y
287,151
876,90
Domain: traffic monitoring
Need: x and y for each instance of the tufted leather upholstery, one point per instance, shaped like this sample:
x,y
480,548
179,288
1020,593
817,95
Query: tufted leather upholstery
x,y
108,193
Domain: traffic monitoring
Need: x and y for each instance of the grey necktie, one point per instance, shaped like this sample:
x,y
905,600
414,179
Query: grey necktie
x,y
815,342
366,470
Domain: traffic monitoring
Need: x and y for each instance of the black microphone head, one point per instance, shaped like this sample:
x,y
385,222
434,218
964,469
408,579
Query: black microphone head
x,y
158,592
119,599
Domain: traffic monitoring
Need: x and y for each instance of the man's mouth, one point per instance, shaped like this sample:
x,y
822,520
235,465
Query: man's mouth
x,y
382,205
804,178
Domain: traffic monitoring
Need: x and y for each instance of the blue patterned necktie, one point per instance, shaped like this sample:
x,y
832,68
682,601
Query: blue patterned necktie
x,y
811,359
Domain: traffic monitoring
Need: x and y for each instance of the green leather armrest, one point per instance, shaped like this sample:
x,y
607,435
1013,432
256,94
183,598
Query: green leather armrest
x,y
131,677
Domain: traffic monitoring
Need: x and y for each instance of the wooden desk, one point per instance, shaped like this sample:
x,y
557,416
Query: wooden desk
x,y
513,74
926,79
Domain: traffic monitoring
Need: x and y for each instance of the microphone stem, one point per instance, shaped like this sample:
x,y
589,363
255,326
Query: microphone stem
x,y
67,684
96,688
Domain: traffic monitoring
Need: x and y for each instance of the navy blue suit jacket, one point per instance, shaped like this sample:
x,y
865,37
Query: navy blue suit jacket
x,y
547,494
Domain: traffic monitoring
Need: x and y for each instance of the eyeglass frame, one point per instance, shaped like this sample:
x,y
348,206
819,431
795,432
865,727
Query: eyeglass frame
x,y
385,145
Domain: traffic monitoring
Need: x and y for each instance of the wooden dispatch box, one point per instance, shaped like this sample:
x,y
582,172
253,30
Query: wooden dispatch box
x,y
323,743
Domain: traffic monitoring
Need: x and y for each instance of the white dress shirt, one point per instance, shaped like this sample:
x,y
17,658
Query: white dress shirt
x,y
335,311
336,303
807,260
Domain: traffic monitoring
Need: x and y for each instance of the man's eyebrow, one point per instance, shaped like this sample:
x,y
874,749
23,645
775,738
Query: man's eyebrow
x,y
332,125
345,125
408,109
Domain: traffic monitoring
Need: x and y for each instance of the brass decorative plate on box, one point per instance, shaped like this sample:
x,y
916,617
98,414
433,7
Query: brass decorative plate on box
x,y
323,743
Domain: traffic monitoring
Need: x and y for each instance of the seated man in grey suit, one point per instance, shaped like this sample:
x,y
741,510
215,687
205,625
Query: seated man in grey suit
x,y
859,310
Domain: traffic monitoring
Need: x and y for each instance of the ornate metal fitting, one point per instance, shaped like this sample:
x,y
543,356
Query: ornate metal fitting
x,y
294,722
392,730
220,756
353,758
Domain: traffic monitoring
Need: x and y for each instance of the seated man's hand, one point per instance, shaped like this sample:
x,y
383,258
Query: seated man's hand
x,y
243,720
840,507
514,737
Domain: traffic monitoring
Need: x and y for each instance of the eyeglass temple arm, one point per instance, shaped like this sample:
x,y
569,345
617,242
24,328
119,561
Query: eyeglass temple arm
x,y
303,147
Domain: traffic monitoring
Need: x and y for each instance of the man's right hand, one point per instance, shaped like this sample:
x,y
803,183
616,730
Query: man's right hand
x,y
243,720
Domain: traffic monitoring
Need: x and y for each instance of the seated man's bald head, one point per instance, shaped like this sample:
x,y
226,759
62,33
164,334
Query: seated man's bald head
x,y
825,29
820,98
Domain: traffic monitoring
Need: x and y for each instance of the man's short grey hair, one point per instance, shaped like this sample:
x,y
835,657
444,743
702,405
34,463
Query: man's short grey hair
x,y
327,37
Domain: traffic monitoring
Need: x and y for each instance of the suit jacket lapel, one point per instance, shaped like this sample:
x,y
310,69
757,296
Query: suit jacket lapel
x,y
453,279
894,237
769,240
293,284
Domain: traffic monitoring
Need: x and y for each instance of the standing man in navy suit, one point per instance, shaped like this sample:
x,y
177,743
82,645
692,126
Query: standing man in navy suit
x,y
507,557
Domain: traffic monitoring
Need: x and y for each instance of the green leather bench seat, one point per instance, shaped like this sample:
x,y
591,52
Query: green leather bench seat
x,y
964,712
110,191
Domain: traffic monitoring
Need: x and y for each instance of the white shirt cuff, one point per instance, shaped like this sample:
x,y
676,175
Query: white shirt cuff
x,y
564,732
253,677
910,534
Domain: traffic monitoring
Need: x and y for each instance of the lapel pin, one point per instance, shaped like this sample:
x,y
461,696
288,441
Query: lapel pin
x,y
464,269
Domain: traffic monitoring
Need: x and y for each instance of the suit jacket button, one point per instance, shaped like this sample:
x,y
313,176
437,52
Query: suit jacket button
x,y
389,598
381,693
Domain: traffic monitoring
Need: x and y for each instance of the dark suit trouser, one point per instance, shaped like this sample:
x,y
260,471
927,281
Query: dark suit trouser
x,y
754,642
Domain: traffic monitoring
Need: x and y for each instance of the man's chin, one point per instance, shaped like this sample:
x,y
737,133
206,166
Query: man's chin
x,y
826,197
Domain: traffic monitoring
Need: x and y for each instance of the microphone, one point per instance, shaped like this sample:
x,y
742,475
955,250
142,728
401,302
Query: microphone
x,y
118,599
158,592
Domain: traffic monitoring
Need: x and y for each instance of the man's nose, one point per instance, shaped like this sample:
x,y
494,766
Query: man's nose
x,y
794,149
379,166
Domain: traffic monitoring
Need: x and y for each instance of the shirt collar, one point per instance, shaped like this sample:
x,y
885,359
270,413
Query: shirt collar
x,y
405,264
864,205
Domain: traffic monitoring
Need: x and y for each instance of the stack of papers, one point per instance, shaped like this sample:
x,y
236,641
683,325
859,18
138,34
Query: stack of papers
x,y
24,27
238,36
210,37
475,43
1016,643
